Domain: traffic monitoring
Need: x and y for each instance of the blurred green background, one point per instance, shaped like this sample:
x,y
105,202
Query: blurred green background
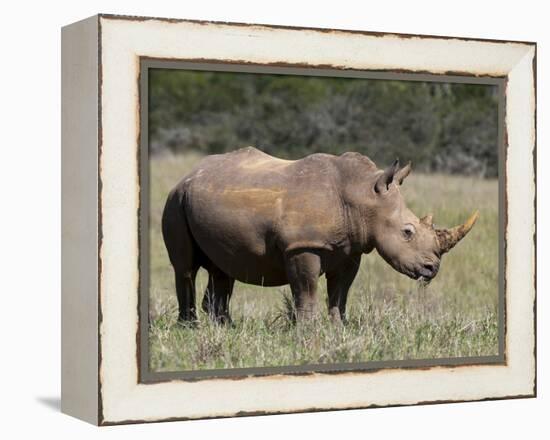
x,y
441,127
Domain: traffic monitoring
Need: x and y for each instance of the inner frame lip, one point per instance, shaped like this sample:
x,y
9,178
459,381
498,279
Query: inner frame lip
x,y
148,376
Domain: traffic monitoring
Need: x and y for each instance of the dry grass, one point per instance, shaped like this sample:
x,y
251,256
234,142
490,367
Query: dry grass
x,y
390,317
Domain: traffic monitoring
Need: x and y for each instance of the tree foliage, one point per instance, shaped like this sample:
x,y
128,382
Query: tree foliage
x,y
444,127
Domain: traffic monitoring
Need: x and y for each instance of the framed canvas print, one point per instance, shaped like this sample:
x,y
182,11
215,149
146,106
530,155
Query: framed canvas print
x,y
262,219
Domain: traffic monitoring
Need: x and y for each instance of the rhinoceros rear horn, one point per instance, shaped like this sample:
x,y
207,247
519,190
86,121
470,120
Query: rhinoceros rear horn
x,y
448,238
383,182
427,220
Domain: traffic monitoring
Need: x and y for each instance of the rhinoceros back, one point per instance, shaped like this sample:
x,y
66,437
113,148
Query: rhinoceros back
x,y
245,209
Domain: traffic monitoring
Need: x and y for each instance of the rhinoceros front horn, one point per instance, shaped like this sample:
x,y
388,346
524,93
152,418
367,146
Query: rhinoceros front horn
x,y
448,238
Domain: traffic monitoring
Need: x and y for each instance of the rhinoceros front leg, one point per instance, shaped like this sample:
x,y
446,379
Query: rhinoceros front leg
x,y
338,283
303,270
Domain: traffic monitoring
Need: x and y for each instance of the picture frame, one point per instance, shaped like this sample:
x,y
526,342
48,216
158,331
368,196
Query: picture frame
x,y
105,60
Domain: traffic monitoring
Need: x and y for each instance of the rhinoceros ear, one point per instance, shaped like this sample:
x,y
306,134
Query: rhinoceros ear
x,y
387,177
403,173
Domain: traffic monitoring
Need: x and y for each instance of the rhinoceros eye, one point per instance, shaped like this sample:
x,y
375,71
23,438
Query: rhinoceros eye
x,y
408,232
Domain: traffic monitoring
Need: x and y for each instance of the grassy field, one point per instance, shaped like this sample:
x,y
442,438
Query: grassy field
x,y
390,317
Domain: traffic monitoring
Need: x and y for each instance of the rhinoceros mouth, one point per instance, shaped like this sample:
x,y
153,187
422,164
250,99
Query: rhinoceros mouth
x,y
423,275
416,275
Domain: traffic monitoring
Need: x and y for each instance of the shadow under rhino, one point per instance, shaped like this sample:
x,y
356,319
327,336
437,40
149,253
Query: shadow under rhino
x,y
266,221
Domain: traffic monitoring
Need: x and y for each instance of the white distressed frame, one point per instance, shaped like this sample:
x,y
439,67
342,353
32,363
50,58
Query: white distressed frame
x,y
122,41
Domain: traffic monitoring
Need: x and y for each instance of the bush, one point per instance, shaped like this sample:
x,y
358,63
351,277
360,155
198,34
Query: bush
x,y
441,127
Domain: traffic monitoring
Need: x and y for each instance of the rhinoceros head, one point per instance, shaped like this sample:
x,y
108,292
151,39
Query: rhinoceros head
x,y
410,245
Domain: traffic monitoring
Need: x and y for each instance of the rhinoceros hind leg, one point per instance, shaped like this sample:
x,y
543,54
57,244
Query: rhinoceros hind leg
x,y
185,290
303,269
217,295
338,284
184,254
